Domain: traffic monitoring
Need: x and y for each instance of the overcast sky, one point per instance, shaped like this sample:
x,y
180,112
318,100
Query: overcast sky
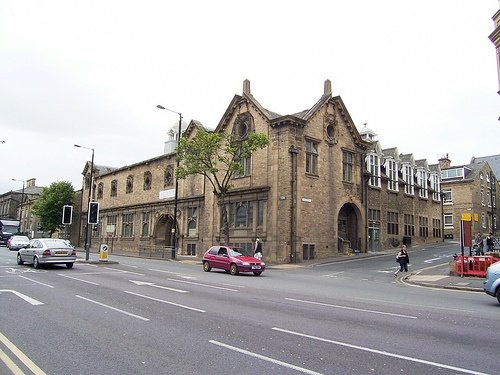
x,y
422,74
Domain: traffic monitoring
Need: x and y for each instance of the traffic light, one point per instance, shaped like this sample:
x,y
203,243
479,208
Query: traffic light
x,y
93,217
67,214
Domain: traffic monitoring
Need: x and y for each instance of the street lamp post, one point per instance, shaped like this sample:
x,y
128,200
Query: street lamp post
x,y
173,239
87,227
21,205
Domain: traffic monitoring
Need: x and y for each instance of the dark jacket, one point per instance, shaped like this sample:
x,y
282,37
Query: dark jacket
x,y
258,247
403,257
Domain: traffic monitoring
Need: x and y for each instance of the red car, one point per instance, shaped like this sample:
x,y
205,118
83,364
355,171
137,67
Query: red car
x,y
232,260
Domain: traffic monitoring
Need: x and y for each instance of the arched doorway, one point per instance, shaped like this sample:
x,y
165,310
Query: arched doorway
x,y
348,226
163,231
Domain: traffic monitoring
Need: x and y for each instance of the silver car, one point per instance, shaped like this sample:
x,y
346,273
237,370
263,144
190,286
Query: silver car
x,y
491,285
41,251
17,242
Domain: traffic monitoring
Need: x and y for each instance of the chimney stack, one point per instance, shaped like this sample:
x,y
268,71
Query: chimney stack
x,y
328,88
246,87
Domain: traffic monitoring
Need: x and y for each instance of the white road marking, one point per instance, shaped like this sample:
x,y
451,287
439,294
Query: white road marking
x,y
35,281
334,275
114,308
123,271
158,286
382,352
22,357
77,279
30,300
128,265
184,276
204,285
351,308
167,302
264,358
431,260
416,305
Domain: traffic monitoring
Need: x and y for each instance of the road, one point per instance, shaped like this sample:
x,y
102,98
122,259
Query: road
x,y
166,317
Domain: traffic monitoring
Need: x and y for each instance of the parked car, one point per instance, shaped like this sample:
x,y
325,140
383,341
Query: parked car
x,y
17,242
232,260
492,284
41,251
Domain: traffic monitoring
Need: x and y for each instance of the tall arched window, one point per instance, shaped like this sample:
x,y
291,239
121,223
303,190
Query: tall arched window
x,y
130,184
147,180
114,188
169,177
100,190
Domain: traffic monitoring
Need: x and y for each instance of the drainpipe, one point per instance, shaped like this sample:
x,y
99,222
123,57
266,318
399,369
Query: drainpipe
x,y
293,207
364,192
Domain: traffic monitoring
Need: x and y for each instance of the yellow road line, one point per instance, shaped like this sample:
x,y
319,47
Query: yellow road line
x,y
22,357
10,364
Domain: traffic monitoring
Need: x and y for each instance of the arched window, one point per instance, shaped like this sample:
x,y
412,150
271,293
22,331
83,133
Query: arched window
x,y
241,216
100,190
147,180
130,184
169,177
114,188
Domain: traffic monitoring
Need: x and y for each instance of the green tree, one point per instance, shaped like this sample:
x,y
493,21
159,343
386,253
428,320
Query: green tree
x,y
48,207
218,156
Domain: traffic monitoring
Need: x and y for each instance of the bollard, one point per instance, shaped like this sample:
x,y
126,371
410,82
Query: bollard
x,y
103,253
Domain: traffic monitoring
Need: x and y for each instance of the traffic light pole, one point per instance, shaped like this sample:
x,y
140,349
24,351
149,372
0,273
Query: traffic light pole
x,y
91,185
87,228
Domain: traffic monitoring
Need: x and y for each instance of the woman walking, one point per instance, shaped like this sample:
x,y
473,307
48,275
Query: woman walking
x,y
403,259
258,249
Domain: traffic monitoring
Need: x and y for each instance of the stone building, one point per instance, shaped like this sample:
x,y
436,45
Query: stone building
x,y
305,195
495,39
404,198
16,205
470,194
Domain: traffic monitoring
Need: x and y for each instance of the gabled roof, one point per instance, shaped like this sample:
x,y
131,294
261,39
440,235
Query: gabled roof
x,y
375,147
193,125
422,163
407,158
98,169
298,119
493,161
391,153
435,168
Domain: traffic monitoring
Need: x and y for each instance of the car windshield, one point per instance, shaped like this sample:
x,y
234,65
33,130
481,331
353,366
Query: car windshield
x,y
9,229
235,252
20,238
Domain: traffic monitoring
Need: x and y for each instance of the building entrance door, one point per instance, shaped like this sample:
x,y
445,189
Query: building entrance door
x,y
163,231
374,237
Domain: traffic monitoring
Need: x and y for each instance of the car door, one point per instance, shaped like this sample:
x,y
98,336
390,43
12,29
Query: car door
x,y
35,248
222,258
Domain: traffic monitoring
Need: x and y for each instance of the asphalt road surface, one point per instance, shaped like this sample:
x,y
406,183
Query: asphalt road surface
x,y
167,317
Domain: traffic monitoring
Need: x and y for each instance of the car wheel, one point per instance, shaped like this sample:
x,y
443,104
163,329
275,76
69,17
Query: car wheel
x,y
257,273
498,294
19,259
36,264
233,270
69,265
206,267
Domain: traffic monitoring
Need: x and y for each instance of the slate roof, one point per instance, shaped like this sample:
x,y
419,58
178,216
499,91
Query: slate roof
x,y
493,161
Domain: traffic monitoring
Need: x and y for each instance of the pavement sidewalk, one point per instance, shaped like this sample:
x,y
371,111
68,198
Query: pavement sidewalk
x,y
439,276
